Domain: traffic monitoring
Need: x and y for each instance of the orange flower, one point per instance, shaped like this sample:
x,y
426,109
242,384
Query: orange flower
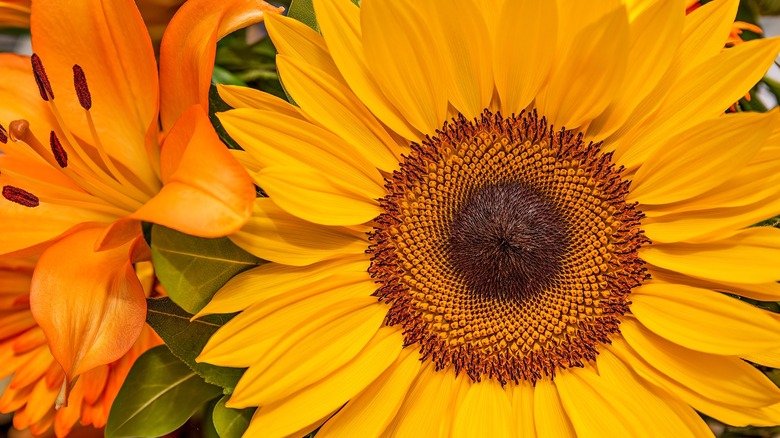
x,y
156,14
15,13
37,378
85,168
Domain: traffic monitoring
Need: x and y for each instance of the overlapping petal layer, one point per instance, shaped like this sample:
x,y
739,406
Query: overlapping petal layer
x,y
376,82
84,162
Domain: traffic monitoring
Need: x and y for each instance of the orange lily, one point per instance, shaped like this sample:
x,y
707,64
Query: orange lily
x,y
156,14
15,13
37,378
84,168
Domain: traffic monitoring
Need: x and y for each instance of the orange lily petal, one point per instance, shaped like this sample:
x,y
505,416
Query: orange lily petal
x,y
189,46
200,176
108,39
20,96
89,304
119,233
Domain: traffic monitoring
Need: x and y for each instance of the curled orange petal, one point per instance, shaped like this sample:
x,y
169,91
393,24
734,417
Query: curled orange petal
x,y
207,192
189,46
90,305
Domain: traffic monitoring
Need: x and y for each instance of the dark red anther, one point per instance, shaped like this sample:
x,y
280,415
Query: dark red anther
x,y
44,86
59,152
82,90
19,196
3,135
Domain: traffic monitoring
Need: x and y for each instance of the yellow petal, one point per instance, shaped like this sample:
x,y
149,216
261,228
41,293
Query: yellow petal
x,y
331,104
704,34
402,59
290,366
593,406
286,417
370,412
521,69
339,21
273,279
276,139
706,30
245,97
766,358
485,412
708,225
762,291
549,416
288,316
275,235
295,40
749,256
639,401
426,407
725,378
721,409
597,53
318,198
703,93
463,38
703,320
522,398
653,32
460,390
698,160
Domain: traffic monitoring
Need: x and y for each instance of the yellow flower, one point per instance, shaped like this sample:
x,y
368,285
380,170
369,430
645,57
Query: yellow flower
x,y
37,378
85,161
506,218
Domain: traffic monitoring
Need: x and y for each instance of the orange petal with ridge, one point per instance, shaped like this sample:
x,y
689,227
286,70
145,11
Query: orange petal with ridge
x,y
189,46
206,191
89,304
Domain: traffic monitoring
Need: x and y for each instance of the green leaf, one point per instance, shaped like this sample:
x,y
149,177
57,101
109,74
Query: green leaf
x,y
231,423
186,339
223,76
207,429
192,269
159,395
303,11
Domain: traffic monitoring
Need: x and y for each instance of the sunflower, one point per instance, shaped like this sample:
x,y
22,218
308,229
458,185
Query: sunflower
x,y
474,230
98,140
37,378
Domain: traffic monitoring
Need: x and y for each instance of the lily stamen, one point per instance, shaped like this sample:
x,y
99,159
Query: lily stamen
x,y
58,151
112,189
20,196
41,78
20,132
85,100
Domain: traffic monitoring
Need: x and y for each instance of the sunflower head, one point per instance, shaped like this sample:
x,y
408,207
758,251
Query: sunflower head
x,y
506,248
480,237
